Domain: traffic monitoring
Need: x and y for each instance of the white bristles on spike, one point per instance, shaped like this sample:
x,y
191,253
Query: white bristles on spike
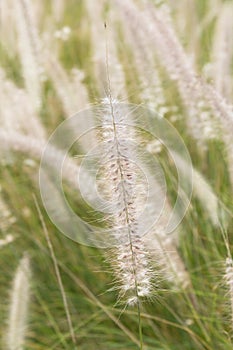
x,y
15,336
131,263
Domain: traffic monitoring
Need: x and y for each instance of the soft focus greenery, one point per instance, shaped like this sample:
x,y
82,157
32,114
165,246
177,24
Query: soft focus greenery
x,y
198,318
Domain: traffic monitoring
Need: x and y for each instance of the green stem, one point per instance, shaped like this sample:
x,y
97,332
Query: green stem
x,y
140,326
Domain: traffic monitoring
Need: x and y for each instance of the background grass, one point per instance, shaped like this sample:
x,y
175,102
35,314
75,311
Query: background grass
x,y
195,319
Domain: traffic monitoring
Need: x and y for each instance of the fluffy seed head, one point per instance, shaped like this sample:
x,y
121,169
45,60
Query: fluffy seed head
x,y
125,191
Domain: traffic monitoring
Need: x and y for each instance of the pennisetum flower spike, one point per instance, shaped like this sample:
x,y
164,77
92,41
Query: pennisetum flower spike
x,y
131,263
15,336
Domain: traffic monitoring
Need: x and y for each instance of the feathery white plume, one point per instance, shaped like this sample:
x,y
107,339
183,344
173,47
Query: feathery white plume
x,y
229,281
15,336
131,263
29,49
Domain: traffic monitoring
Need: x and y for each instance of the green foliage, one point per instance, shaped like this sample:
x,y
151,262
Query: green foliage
x,y
198,318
